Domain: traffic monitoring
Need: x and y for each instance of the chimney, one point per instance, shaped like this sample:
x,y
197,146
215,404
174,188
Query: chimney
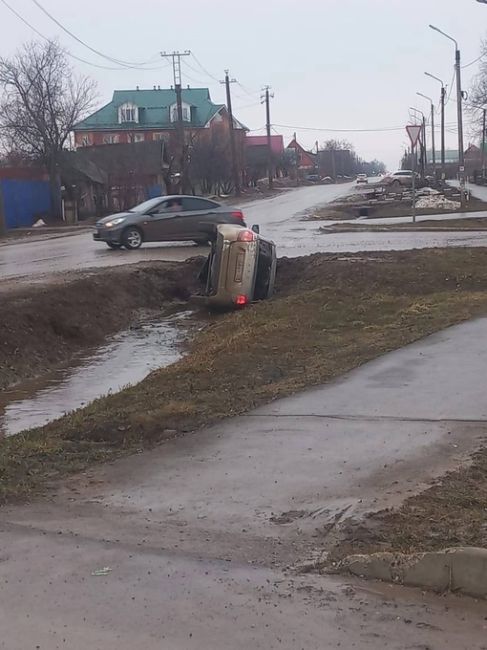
x,y
188,86
158,87
137,88
154,88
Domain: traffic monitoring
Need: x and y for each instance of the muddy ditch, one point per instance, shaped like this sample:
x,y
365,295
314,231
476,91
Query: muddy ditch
x,y
152,341
46,327
329,314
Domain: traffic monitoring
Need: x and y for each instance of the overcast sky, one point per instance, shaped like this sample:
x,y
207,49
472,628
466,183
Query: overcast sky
x,y
332,64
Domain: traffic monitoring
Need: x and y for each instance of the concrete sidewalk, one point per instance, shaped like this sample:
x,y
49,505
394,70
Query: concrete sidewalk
x,y
200,532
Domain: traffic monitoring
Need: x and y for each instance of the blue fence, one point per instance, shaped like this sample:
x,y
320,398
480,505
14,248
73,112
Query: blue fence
x,y
24,201
153,191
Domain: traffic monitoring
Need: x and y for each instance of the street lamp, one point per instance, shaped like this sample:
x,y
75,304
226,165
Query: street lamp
x,y
422,148
461,155
432,130
443,95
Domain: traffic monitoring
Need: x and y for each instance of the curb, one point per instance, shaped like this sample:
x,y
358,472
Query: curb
x,y
462,570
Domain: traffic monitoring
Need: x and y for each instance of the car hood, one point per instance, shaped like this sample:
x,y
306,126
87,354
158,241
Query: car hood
x,y
114,216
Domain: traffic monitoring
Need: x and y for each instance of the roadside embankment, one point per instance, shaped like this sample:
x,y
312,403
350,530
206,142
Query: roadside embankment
x,y
44,326
329,314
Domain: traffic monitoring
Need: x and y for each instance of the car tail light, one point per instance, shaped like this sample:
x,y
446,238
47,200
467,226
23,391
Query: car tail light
x,y
238,214
246,235
241,300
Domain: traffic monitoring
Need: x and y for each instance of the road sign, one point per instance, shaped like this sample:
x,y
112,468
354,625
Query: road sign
x,y
414,131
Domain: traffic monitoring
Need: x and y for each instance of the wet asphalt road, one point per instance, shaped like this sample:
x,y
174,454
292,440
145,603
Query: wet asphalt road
x,y
203,535
279,218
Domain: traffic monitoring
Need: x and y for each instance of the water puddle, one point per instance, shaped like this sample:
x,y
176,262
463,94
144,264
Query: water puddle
x,y
126,359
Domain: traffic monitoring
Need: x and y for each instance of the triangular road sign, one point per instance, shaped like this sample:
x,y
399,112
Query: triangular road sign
x,y
414,131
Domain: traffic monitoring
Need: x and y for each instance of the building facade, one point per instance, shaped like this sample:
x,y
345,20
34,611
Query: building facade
x,y
151,115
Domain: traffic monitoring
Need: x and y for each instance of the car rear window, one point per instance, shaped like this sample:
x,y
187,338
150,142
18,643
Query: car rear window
x,y
194,203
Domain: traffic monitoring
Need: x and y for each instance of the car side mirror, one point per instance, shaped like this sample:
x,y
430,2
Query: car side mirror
x,y
256,228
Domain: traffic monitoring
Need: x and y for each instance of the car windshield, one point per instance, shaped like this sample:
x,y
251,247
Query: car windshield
x,y
146,205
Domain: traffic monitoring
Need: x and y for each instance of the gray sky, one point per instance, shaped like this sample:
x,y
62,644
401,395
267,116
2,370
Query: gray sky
x,y
332,64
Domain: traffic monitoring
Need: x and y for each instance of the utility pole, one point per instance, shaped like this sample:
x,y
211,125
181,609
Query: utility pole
x,y
443,96
461,153
233,150
484,125
432,131
266,98
176,66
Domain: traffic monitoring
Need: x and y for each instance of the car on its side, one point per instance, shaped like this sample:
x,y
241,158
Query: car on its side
x,y
241,267
165,218
403,177
362,178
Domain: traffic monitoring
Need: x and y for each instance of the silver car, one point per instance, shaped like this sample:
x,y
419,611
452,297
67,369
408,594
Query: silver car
x,y
165,218
241,267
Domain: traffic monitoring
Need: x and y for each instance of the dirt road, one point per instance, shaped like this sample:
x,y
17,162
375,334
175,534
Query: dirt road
x,y
279,218
202,535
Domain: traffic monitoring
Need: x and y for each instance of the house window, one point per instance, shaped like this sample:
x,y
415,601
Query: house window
x,y
110,139
139,137
159,136
85,141
186,113
128,113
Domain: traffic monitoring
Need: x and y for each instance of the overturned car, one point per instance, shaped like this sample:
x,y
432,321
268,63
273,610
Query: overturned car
x,y
241,267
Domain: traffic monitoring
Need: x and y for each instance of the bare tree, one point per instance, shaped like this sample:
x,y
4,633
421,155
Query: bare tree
x,y
42,101
337,145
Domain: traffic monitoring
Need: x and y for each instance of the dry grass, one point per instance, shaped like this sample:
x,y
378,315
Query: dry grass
x,y
329,315
426,225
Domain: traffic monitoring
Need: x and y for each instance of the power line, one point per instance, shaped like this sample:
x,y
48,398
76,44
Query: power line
x,y
310,128
241,108
467,65
204,69
248,92
127,64
73,56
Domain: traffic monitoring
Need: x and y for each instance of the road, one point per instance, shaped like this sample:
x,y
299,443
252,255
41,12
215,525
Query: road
x,y
204,534
279,218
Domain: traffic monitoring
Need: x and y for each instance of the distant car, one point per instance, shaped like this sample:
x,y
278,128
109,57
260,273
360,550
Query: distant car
x,y
240,268
313,178
362,178
165,218
327,179
403,177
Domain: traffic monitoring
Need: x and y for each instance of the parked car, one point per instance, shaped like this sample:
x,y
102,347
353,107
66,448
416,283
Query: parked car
x,y
313,178
362,178
327,180
403,177
240,268
165,218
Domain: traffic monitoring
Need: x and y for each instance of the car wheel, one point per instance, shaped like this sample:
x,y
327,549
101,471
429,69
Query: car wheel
x,y
396,183
113,245
132,238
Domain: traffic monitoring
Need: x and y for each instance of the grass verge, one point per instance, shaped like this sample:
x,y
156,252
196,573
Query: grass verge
x,y
452,225
329,314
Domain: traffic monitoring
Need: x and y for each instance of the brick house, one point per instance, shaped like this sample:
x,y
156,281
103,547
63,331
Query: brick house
x,y
307,162
135,116
151,115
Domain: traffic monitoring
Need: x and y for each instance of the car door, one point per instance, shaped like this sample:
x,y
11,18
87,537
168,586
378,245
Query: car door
x,y
197,212
162,223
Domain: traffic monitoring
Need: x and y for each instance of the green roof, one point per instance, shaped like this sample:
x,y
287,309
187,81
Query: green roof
x,y
153,108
